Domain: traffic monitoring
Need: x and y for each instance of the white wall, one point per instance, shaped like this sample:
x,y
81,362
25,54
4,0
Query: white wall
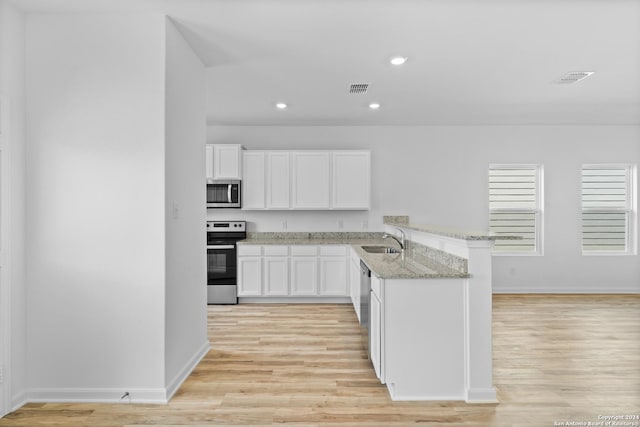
x,y
95,205
12,86
185,301
438,175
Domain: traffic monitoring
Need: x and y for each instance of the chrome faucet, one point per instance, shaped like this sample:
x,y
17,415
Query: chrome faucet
x,y
401,241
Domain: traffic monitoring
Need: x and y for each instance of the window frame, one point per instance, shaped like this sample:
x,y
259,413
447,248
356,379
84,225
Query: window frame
x,y
631,209
538,211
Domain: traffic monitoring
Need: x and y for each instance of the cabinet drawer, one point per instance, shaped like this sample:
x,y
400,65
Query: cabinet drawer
x,y
333,250
249,250
275,250
303,250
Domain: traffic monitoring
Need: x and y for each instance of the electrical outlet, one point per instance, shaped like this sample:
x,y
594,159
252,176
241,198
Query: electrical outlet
x,y
340,224
365,225
175,210
1,374
284,225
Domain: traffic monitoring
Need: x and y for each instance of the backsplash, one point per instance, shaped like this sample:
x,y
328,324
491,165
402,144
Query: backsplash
x,y
355,235
423,254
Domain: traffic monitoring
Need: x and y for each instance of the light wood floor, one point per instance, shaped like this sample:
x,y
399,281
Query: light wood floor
x,y
556,359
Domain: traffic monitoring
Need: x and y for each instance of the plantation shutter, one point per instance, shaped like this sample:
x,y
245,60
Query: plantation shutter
x,y
605,208
513,206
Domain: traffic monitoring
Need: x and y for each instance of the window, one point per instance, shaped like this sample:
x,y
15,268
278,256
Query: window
x,y
608,211
515,201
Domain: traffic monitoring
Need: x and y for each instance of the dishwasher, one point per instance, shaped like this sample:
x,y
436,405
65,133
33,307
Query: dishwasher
x,y
365,301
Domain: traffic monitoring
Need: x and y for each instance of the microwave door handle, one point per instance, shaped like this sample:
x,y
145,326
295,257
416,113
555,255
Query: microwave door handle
x,y
220,247
229,192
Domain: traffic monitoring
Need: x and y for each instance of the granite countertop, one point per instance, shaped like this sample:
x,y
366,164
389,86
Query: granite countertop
x,y
401,266
450,232
385,266
318,238
313,241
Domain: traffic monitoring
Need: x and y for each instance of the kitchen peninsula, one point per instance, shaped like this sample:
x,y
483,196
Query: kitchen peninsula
x,y
430,312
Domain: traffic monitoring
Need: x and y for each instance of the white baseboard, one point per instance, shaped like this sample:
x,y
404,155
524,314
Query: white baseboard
x,y
566,290
112,395
184,373
98,395
401,398
294,300
481,395
18,401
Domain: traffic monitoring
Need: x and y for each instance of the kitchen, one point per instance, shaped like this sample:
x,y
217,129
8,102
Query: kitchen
x,y
132,146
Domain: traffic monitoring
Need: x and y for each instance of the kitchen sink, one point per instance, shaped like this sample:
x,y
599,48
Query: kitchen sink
x,y
380,249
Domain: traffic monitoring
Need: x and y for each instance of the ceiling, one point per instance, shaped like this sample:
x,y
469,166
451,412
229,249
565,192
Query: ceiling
x,y
470,62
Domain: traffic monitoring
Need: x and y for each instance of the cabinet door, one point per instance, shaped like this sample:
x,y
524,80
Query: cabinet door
x,y
276,276
351,180
278,188
253,180
304,276
354,281
208,155
374,333
249,276
333,276
227,161
311,180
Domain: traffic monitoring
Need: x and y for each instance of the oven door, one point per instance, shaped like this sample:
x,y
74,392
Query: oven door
x,y
221,264
221,274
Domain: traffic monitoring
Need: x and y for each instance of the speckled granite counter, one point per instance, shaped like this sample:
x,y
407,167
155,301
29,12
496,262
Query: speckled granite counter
x,y
385,266
401,222
399,266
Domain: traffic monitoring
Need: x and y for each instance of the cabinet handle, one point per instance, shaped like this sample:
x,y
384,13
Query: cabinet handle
x,y
220,246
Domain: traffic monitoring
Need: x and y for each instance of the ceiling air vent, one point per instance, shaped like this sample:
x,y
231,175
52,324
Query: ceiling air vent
x,y
574,76
359,88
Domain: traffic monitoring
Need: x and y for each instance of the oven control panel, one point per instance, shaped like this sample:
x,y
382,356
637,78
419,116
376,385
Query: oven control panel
x,y
222,226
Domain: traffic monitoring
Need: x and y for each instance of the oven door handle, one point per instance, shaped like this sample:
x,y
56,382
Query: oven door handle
x,y
220,247
229,192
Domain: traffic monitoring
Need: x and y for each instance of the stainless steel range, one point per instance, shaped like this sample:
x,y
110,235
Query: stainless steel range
x,y
222,269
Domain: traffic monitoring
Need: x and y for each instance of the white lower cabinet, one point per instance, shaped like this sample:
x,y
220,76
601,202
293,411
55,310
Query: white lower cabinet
x,y
375,326
304,276
375,343
417,337
333,271
354,282
293,271
249,276
276,276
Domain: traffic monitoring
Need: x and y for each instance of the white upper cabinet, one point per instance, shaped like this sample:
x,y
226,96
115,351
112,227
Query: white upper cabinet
x,y
208,155
351,179
311,180
227,161
278,182
253,188
306,180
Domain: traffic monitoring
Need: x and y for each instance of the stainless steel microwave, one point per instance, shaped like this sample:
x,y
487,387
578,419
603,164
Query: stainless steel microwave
x,y
224,193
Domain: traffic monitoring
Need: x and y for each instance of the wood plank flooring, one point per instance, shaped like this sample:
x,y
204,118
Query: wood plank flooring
x,y
567,358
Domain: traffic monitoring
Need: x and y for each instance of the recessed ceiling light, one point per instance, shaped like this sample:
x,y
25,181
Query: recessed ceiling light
x,y
398,60
374,105
281,105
